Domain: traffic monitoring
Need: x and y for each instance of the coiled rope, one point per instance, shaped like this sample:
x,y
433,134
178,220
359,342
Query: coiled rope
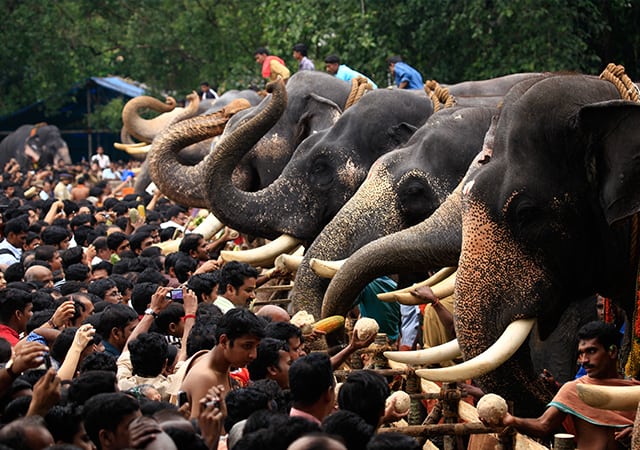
x,y
615,74
439,96
359,86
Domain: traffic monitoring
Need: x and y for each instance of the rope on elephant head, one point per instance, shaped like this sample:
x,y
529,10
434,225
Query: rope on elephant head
x,y
616,75
359,86
439,96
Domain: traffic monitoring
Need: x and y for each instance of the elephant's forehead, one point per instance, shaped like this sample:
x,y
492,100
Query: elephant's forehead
x,y
272,146
351,174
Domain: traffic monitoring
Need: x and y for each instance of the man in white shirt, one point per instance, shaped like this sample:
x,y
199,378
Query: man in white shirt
x,y
237,286
15,231
100,157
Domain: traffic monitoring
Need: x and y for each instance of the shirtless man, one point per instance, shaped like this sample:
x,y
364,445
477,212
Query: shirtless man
x,y
594,428
238,334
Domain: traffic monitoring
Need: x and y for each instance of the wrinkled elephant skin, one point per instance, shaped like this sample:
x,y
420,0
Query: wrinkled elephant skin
x,y
324,172
402,188
34,146
545,219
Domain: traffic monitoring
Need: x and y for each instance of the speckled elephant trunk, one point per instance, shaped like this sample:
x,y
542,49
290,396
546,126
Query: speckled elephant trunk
x,y
397,253
186,184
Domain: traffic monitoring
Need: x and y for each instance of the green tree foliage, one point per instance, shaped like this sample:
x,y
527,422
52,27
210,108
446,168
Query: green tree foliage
x,y
173,45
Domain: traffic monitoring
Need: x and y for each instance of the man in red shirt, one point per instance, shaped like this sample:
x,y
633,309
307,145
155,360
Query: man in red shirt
x,y
15,312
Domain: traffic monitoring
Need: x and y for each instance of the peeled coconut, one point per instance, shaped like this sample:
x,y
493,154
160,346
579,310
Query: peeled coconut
x,y
492,408
365,327
403,401
302,318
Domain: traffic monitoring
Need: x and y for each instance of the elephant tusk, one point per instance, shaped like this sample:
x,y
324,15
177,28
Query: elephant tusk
x,y
433,355
439,276
326,269
510,341
288,263
141,148
618,398
443,289
209,226
265,255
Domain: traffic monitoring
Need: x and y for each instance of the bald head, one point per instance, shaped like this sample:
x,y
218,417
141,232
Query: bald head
x,y
275,313
40,275
316,442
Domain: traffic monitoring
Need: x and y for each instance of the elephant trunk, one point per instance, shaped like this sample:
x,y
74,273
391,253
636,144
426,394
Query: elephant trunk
x,y
249,212
432,244
147,129
186,184
353,227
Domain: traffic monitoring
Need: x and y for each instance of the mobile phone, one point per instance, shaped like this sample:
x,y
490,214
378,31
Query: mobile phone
x,y
182,398
176,294
47,361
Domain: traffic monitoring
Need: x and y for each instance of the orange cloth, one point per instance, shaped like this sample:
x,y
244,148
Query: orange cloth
x,y
568,401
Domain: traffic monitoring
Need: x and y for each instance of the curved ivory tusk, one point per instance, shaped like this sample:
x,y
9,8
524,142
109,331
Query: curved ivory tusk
x,y
443,289
288,263
619,398
141,148
326,269
439,276
209,226
265,255
433,355
492,358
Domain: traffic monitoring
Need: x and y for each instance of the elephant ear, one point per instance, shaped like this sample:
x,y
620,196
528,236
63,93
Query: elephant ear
x,y
401,133
614,129
320,114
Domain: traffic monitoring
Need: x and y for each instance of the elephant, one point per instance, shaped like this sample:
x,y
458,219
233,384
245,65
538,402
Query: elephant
x,y
315,102
403,188
324,172
146,130
543,218
34,146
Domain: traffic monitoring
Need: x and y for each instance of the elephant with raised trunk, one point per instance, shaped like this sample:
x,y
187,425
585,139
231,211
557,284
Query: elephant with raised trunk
x,y
34,146
402,188
324,172
316,101
544,218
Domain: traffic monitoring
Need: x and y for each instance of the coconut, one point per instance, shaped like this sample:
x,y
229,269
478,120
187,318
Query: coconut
x,y
492,408
365,327
403,401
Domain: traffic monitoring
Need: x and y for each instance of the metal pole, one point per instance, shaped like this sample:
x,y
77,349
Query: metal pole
x,y
89,137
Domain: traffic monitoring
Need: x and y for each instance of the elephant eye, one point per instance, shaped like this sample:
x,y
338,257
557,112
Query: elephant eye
x,y
320,172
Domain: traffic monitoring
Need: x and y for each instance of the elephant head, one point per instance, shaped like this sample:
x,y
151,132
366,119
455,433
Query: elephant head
x,y
314,103
324,172
543,217
35,145
403,188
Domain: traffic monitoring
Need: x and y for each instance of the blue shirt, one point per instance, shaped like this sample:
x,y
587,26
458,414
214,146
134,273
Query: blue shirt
x,y
346,73
404,72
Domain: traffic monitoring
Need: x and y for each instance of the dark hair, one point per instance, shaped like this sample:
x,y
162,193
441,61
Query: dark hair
x,y
103,265
332,59
100,287
148,354
241,403
115,239
364,392
71,256
98,361
261,51
234,273
45,252
150,275
63,342
122,283
106,411
394,59
239,322
393,441
136,239
64,422
282,330
171,314
115,316
203,283
310,377
184,266
91,383
302,48
5,350
76,272
16,226
141,296
100,243
54,235
267,355
353,430
189,243
605,333
202,335
15,272
81,235
12,300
